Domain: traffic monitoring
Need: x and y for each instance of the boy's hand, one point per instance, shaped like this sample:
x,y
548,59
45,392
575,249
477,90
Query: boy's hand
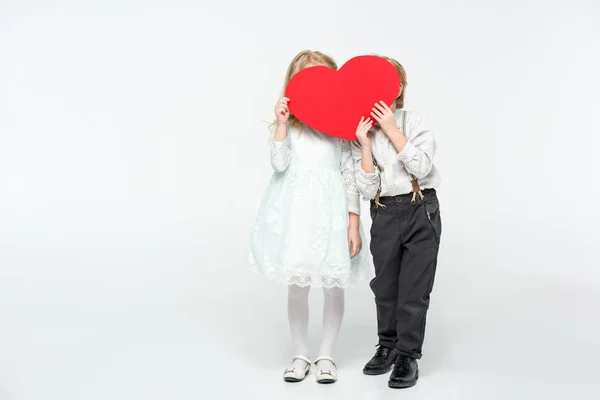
x,y
362,132
385,118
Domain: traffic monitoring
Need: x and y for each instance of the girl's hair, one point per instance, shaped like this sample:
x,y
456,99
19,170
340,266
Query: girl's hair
x,y
402,73
300,62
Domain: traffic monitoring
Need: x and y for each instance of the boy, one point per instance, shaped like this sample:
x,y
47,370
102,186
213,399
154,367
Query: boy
x,y
394,169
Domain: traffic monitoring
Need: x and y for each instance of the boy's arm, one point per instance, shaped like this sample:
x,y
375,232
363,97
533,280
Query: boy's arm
x,y
417,153
367,174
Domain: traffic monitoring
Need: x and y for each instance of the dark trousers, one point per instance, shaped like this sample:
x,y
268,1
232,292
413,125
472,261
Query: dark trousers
x,y
405,239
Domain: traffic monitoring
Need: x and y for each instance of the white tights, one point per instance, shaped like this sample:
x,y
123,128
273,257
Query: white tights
x,y
333,313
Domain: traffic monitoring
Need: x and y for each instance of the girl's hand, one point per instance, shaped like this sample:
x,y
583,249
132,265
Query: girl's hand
x,y
362,132
282,111
354,241
385,118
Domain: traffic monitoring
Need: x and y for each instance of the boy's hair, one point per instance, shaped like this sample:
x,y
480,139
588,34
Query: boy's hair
x,y
300,62
402,73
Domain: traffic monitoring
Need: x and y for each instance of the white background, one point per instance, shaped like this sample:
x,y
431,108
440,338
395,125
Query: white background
x,y
133,160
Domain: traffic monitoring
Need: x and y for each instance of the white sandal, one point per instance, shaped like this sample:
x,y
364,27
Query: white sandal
x,y
326,376
295,374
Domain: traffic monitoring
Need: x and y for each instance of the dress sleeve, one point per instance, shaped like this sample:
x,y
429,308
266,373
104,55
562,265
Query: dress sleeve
x,y
280,153
347,170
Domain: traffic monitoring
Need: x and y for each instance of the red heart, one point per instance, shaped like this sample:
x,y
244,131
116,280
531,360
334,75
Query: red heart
x,y
333,101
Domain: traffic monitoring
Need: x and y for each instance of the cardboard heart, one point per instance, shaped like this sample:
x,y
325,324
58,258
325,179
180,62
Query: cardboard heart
x,y
333,101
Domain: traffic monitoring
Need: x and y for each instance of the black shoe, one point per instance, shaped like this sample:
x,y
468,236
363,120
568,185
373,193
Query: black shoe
x,y
405,373
381,363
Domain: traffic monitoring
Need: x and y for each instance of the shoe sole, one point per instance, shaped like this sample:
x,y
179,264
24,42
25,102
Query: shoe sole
x,y
378,371
292,380
405,385
326,381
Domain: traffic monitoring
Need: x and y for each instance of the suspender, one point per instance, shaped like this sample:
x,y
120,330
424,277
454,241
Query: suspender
x,y
413,179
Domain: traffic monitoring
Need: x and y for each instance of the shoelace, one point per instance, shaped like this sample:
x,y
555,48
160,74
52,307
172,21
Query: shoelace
x,y
403,361
379,351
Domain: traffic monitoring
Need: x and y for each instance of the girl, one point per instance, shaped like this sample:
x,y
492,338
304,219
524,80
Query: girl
x,y
394,168
308,220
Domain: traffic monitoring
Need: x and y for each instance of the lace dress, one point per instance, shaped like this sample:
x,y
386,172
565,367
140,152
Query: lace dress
x,y
300,235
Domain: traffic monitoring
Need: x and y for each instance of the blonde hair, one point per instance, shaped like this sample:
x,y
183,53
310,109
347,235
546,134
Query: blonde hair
x,y
402,73
301,61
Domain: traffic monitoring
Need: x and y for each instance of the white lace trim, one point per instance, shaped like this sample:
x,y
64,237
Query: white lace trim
x,y
355,274
326,282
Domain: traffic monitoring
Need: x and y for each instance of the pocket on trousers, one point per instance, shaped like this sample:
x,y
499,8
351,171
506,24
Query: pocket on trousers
x,y
374,231
373,211
432,208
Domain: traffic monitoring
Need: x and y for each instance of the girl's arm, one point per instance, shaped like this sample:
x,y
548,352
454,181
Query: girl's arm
x,y
280,143
353,197
347,170
354,239
279,147
281,132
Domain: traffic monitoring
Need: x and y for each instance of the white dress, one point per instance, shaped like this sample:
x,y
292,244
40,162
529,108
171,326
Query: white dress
x,y
301,232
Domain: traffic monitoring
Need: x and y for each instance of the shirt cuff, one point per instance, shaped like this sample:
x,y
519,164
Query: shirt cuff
x,y
367,177
354,209
408,153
